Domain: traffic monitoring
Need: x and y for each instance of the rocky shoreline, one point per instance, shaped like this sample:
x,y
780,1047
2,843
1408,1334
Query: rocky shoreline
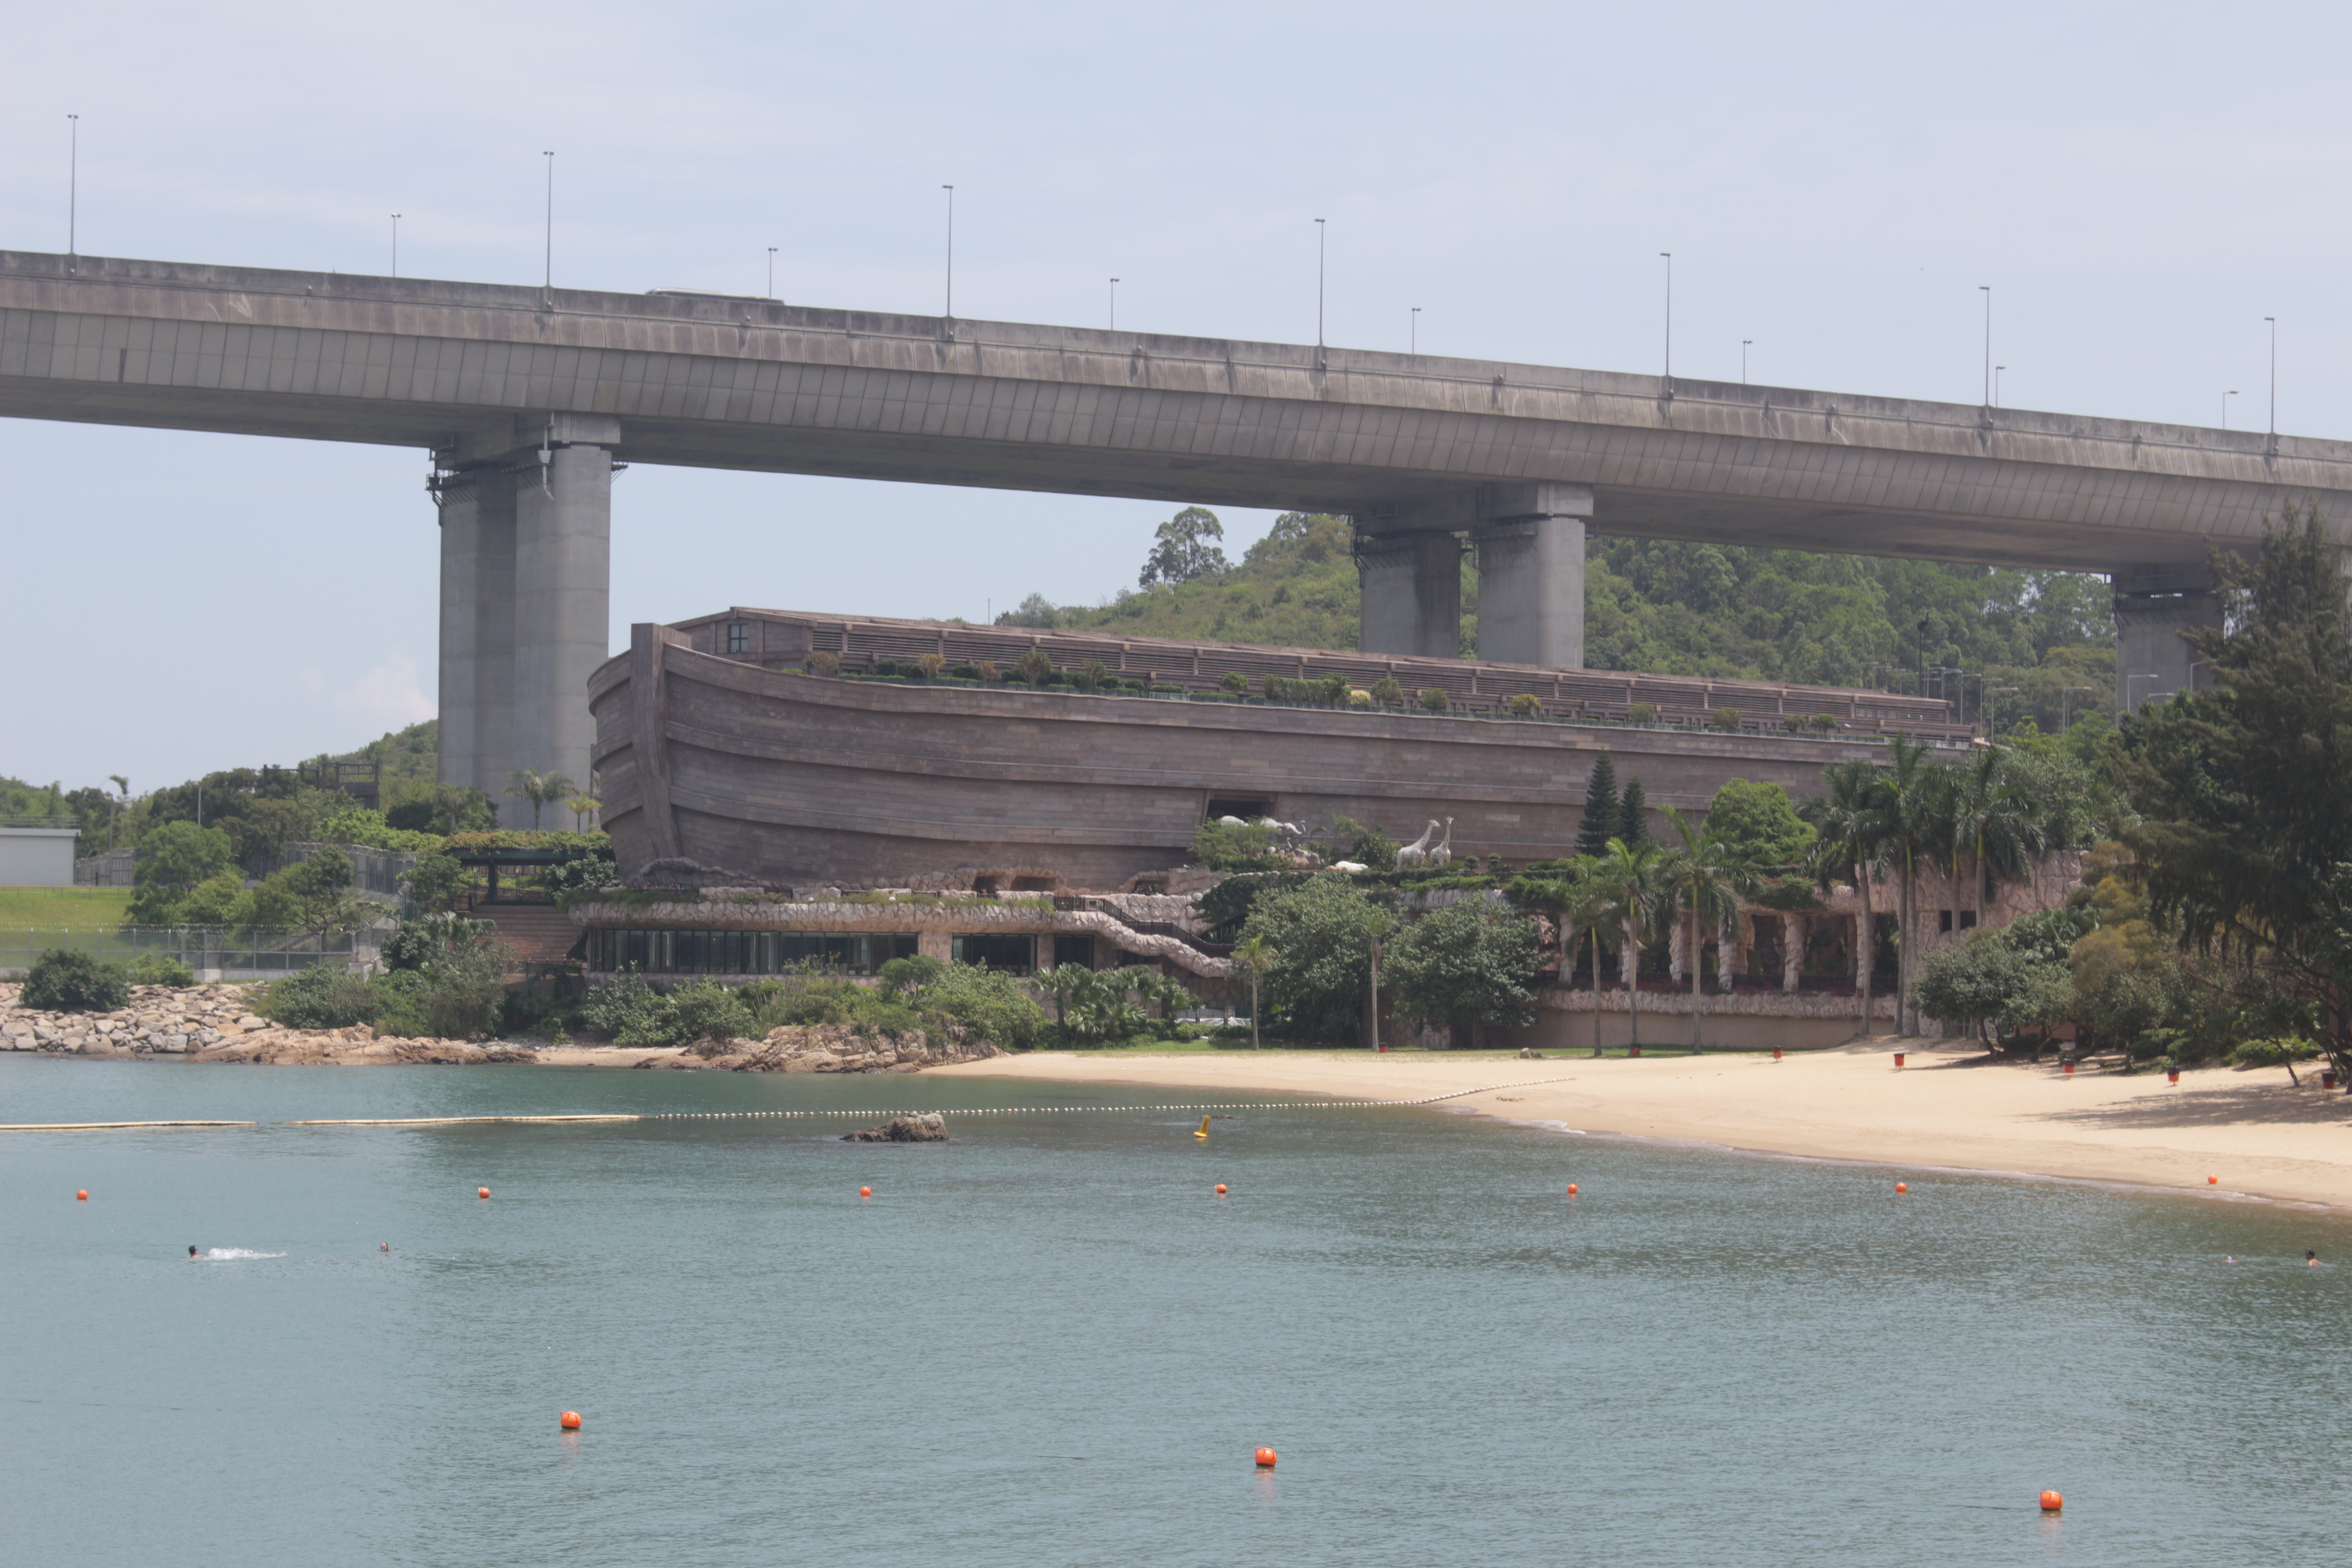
x,y
218,1023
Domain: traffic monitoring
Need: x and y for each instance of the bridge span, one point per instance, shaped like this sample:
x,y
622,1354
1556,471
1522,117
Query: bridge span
x,y
527,398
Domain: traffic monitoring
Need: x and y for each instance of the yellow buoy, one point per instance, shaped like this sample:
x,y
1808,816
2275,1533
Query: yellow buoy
x,y
1203,1133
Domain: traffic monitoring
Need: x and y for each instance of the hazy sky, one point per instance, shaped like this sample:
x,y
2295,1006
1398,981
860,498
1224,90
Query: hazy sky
x,y
2141,184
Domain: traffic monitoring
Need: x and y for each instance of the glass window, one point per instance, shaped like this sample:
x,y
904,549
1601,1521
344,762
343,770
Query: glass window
x,y
1077,950
743,952
739,637
1013,954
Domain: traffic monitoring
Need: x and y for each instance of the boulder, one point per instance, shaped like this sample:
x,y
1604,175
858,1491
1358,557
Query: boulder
x,y
926,1129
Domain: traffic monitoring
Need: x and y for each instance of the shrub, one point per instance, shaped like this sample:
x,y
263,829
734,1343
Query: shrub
x,y
2272,1053
706,1010
966,672
158,969
990,1005
1035,667
1389,691
986,670
62,982
1525,705
1824,722
1434,700
1643,712
824,661
1090,676
1224,846
173,858
1793,723
1466,964
1726,719
1235,681
1321,933
910,973
1330,688
323,996
930,666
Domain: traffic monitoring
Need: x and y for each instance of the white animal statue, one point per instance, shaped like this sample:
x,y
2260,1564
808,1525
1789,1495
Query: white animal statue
x,y
1231,822
1351,866
1443,852
1417,852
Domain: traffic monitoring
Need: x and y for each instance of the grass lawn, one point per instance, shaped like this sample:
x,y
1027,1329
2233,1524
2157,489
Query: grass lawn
x,y
63,909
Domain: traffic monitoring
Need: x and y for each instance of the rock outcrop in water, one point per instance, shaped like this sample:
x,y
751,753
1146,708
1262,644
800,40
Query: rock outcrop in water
x,y
833,1047
931,1128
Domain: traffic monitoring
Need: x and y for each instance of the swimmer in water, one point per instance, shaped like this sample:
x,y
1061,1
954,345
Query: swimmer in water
x,y
2311,1258
195,1257
2229,1260
384,1247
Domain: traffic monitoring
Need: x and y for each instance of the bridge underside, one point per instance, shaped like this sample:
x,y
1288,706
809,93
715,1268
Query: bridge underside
x,y
1428,456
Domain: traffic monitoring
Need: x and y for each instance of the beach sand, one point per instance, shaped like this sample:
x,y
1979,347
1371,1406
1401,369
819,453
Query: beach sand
x,y
1951,1107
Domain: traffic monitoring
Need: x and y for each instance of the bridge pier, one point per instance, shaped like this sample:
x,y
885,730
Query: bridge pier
x,y
526,588
2153,606
1530,544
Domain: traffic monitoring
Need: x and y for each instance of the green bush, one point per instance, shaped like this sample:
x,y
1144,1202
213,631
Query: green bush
x,y
1227,846
2272,1053
1466,964
172,860
323,996
62,982
1434,700
990,1006
158,969
910,973
637,1013
706,1010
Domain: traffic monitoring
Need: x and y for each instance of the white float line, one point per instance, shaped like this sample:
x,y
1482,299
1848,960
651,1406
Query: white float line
x,y
108,1126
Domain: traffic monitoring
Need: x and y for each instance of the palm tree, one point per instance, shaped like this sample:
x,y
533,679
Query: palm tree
x,y
1913,824
1707,876
1628,896
539,788
1995,821
1257,956
581,806
1588,905
1845,844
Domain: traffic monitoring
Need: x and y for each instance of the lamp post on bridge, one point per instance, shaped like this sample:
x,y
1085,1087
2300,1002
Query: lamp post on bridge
x,y
1413,343
2273,321
395,245
950,309
1996,384
548,285
1114,304
1668,257
2065,715
73,191
1987,289
2129,707
1745,344
1321,231
772,272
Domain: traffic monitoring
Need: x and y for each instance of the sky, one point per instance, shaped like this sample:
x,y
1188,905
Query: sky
x,y
2140,184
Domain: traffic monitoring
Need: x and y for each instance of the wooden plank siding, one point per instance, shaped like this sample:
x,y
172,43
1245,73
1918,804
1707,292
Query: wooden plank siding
x,y
800,780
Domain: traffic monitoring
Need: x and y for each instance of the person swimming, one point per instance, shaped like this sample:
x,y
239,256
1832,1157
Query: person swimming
x,y
384,1247
2310,1257
194,1256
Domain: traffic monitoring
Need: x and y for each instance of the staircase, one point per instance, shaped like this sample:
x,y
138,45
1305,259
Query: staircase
x,y
539,933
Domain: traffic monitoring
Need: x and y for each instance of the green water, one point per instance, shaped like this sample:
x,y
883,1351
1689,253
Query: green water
x,y
1049,1342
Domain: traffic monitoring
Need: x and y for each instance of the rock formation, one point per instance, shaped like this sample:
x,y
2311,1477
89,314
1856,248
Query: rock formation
x,y
926,1129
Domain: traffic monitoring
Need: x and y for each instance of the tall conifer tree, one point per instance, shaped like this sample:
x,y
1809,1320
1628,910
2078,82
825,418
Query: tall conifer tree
x,y
1600,824
1633,816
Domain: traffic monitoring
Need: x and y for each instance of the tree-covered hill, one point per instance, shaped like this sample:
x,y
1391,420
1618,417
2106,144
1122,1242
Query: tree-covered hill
x,y
2041,644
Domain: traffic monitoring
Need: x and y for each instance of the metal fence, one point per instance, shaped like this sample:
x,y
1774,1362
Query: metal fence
x,y
215,953
376,873
108,869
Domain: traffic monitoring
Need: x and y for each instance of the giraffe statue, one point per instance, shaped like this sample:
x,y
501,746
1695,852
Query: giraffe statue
x,y
1443,853
1416,852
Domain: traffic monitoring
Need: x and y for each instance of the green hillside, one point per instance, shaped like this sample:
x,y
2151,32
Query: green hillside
x,y
2042,643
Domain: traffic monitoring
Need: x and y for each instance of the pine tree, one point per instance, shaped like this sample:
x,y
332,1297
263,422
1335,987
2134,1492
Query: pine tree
x,y
1600,824
1633,816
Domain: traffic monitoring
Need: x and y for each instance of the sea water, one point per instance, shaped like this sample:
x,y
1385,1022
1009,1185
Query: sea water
x,y
1048,1341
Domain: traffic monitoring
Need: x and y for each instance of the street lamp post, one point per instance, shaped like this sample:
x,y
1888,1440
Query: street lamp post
x,y
2129,706
1413,343
1114,304
1987,289
73,190
1996,384
950,309
395,245
1320,230
2273,321
2065,706
548,285
772,273
1669,258
1745,344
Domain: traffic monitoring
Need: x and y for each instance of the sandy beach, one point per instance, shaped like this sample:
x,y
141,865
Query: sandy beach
x,y
1949,1106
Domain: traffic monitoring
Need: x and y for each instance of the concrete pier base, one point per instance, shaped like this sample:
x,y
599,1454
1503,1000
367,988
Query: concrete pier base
x,y
526,589
1411,594
2153,606
1531,573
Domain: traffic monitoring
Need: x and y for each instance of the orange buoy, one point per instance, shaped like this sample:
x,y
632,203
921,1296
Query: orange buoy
x,y
2212,1181
1265,1458
866,1192
1220,1189
1902,1186
569,1421
2052,1503
1898,1058
1571,1189
81,1194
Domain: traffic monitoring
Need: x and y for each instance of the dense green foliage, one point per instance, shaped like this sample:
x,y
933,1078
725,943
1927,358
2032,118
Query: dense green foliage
x,y
66,982
179,856
1321,934
1468,963
1676,608
445,982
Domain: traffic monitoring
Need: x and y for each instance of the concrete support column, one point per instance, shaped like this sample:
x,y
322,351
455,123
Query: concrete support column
x,y
1410,595
476,673
935,943
1042,959
2153,606
562,555
1792,952
1531,573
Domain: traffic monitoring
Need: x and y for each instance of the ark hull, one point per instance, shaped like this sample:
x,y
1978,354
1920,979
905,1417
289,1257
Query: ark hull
x,y
808,780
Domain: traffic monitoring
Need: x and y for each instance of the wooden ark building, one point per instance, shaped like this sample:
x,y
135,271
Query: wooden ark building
x,y
803,751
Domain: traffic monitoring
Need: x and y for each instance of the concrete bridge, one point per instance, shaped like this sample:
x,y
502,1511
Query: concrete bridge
x,y
527,398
